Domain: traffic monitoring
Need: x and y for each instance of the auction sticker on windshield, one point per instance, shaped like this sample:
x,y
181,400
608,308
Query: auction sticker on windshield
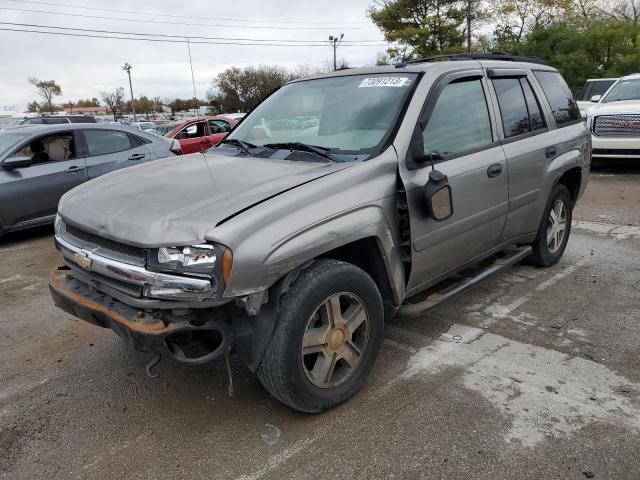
x,y
384,82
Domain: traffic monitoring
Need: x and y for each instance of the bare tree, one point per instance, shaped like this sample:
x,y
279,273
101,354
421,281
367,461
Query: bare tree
x,y
47,90
114,100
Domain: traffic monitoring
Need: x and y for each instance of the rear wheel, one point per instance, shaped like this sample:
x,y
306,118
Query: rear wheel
x,y
328,333
554,229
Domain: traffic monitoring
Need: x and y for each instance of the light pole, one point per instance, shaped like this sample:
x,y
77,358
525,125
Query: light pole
x,y
127,68
335,41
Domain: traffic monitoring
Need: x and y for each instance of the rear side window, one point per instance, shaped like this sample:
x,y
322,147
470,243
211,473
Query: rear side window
x,y
137,141
449,131
565,110
518,106
102,142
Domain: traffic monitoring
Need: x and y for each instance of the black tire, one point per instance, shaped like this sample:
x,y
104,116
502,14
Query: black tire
x,y
283,371
543,255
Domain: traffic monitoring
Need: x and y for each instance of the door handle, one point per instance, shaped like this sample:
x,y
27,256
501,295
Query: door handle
x,y
73,169
137,156
494,170
551,152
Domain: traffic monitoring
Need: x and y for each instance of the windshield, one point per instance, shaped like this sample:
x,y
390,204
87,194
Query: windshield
x,y
623,90
9,139
166,128
349,114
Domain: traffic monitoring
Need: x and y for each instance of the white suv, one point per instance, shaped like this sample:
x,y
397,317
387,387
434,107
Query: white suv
x,y
614,121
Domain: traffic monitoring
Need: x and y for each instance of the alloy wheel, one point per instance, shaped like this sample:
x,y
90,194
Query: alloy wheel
x,y
557,225
334,340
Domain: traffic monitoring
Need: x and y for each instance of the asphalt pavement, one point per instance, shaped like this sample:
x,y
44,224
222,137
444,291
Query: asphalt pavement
x,y
532,374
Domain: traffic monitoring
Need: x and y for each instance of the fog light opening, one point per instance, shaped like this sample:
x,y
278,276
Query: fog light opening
x,y
194,344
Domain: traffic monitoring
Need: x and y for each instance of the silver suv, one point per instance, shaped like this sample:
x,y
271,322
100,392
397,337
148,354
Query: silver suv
x,y
326,210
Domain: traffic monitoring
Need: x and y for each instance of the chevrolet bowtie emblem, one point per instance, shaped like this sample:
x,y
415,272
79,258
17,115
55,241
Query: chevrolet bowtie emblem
x,y
82,259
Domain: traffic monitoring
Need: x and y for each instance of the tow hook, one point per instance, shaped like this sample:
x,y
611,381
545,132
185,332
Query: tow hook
x,y
151,365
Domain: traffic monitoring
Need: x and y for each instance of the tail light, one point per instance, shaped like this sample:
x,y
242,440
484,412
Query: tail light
x,y
175,147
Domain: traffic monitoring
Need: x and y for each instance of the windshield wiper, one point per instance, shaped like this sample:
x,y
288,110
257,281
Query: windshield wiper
x,y
320,151
242,145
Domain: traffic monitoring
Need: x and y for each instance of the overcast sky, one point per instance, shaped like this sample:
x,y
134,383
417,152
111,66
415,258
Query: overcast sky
x,y
84,67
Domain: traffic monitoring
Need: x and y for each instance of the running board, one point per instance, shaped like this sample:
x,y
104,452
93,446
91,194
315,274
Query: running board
x,y
459,283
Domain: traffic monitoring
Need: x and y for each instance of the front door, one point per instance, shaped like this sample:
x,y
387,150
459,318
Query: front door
x,y
458,126
31,194
193,137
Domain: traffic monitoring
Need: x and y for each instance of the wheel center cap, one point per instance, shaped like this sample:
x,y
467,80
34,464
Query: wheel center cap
x,y
336,339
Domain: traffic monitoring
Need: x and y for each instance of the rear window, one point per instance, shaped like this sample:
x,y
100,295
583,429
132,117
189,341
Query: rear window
x,y
564,107
102,142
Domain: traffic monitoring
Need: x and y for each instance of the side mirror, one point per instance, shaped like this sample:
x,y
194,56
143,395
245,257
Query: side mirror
x,y
192,129
437,195
11,163
596,98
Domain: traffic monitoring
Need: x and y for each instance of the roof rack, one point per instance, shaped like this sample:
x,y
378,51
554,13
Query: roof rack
x,y
506,56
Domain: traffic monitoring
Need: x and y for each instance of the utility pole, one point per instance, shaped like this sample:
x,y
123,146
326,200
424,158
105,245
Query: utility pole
x,y
127,68
469,25
335,41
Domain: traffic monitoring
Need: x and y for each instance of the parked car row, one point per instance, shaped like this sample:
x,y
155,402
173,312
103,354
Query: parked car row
x,y
614,120
39,163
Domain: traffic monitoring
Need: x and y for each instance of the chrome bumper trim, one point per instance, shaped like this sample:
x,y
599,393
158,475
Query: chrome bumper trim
x,y
132,273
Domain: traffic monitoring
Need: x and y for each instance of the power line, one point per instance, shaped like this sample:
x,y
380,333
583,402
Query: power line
x,y
166,40
138,20
171,15
93,30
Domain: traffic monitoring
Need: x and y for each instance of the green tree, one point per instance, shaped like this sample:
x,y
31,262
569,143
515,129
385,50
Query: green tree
x,y
89,102
241,89
47,90
427,27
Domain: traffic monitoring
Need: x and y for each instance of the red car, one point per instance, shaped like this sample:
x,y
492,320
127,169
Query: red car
x,y
199,133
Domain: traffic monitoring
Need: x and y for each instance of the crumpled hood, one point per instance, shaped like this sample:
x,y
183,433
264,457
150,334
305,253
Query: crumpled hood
x,y
177,200
624,107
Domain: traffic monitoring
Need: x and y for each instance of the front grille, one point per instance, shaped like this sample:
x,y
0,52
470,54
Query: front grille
x,y
616,151
105,245
617,125
91,278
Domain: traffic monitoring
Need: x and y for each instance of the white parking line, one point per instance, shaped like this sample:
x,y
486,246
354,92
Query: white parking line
x,y
619,232
500,310
543,392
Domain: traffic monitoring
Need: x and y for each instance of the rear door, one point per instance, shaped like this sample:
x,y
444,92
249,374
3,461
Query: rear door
x,y
31,194
527,143
458,123
108,150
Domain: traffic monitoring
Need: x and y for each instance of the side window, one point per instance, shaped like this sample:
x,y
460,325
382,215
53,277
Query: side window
x,y
599,88
513,108
519,108
102,142
460,120
533,105
191,132
51,148
563,106
137,141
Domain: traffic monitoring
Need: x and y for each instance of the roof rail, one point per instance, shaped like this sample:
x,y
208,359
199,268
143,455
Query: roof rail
x,y
506,56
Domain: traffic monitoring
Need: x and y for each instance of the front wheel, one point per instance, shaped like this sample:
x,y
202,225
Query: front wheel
x,y
328,333
554,230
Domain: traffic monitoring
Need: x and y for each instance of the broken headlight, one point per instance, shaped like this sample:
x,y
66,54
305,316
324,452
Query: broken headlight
x,y
198,256
196,260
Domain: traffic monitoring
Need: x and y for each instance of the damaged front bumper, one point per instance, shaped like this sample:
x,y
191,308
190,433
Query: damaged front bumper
x,y
187,336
